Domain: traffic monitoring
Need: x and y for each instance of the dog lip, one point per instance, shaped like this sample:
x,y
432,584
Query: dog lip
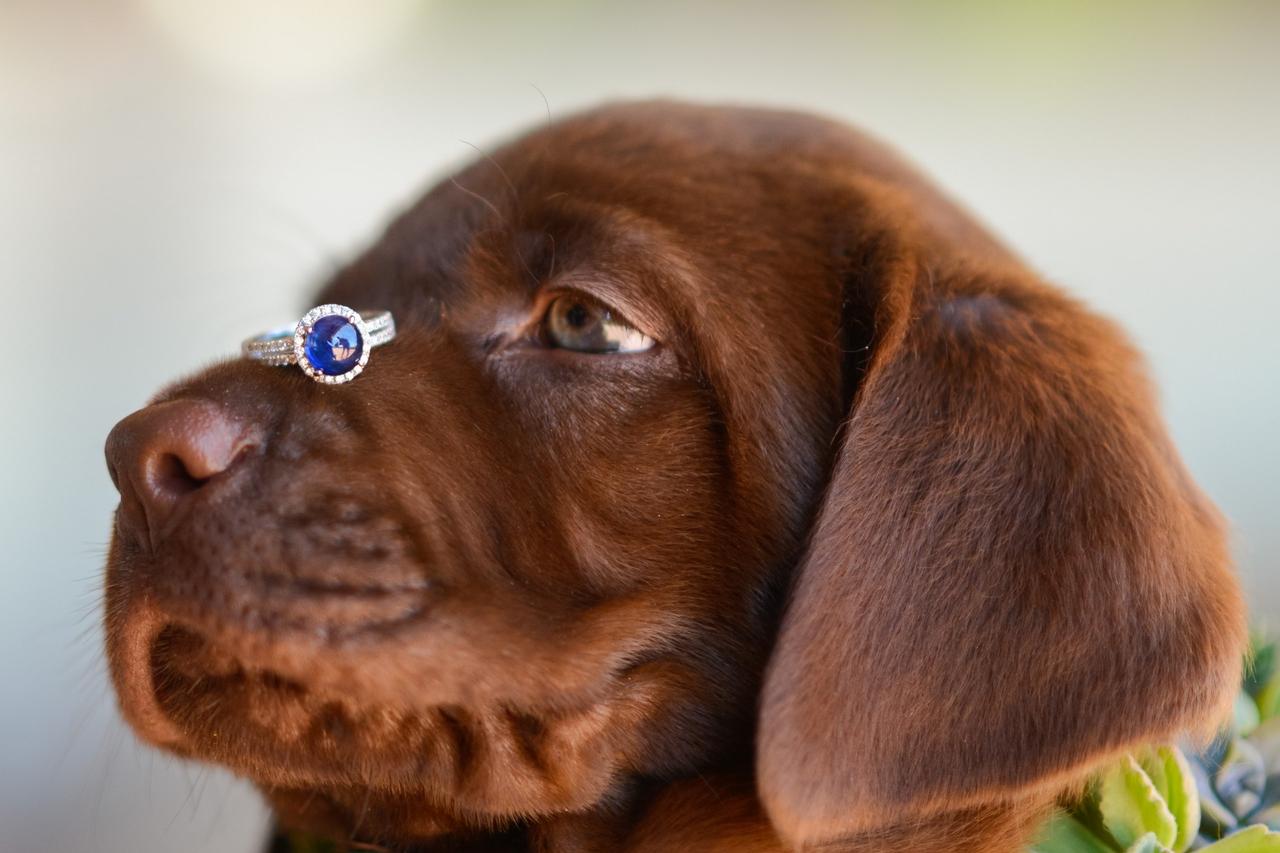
x,y
187,665
269,656
320,587
130,659
331,609
265,614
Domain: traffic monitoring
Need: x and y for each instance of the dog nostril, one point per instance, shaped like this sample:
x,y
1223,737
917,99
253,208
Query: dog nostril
x,y
164,453
169,474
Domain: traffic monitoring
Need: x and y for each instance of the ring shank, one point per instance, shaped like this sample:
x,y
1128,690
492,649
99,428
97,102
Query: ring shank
x,y
276,347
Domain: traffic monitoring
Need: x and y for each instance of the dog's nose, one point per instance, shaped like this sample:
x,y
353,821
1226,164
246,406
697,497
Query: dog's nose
x,y
161,455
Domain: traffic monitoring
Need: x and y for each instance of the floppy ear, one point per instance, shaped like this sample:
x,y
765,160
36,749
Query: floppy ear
x,y
1011,577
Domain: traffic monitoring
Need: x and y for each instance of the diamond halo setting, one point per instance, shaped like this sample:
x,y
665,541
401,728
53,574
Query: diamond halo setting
x,y
331,343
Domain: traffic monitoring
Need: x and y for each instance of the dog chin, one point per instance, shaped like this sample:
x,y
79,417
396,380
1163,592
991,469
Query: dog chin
x,y
440,768
271,726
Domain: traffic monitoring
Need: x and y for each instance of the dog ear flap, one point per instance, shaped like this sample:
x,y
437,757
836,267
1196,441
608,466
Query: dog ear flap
x,y
1011,577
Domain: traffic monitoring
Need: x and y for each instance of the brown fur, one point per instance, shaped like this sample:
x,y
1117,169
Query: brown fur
x,y
881,548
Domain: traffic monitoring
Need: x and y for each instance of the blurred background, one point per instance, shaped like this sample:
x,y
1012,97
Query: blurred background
x,y
176,174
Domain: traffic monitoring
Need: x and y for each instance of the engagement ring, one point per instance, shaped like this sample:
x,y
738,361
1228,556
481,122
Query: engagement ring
x,y
331,343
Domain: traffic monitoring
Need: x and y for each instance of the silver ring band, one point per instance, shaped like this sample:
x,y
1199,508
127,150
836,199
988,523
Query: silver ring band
x,y
331,343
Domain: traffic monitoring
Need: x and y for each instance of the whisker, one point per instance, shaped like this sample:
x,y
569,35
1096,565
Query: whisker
x,y
545,102
202,785
364,811
481,199
81,722
515,198
107,766
186,775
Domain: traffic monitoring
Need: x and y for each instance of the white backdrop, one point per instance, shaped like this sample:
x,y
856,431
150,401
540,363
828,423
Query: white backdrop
x,y
175,173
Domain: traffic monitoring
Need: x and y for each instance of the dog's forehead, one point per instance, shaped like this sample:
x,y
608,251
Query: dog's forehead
x,y
616,193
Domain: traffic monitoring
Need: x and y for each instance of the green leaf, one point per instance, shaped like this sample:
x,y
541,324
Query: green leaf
x,y
1132,807
1147,844
1171,776
1269,696
1064,834
1255,839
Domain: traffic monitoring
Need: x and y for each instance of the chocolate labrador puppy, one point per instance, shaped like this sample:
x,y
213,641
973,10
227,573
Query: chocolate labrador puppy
x,y
726,488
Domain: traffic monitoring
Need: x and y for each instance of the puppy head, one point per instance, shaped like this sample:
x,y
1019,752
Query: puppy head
x,y
536,550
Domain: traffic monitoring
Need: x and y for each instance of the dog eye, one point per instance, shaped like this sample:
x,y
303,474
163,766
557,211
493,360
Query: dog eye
x,y
575,322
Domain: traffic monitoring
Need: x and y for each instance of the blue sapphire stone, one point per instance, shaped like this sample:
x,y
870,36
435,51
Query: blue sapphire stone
x,y
334,345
